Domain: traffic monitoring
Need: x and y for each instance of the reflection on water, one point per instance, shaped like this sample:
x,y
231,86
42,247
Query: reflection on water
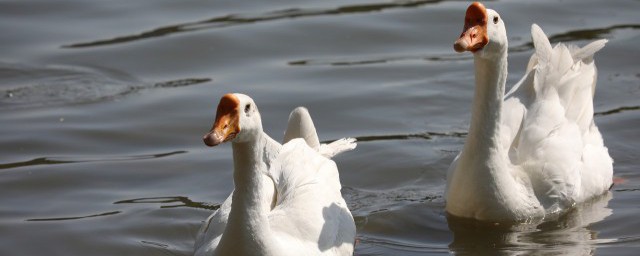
x,y
414,229
569,234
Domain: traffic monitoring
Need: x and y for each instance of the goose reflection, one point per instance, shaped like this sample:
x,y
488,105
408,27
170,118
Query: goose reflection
x,y
567,234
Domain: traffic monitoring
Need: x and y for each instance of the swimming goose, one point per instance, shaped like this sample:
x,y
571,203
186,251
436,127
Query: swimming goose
x,y
535,151
286,199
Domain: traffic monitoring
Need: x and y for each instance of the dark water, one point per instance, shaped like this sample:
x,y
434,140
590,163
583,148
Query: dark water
x,y
103,104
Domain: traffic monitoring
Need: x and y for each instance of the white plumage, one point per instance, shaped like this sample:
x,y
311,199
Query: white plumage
x,y
300,125
287,197
535,151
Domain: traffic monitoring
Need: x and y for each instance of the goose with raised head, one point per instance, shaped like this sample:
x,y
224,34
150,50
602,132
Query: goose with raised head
x,y
286,199
535,151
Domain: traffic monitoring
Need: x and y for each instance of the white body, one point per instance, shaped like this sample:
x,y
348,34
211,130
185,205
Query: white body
x,y
286,200
536,151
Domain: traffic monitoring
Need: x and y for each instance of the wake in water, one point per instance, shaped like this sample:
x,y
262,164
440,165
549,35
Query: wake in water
x,y
25,85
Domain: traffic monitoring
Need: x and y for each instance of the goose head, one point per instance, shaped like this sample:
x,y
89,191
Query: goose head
x,y
237,120
484,33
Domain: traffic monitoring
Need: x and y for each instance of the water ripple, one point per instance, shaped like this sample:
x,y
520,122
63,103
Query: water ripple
x,y
180,83
432,135
579,35
407,246
617,110
591,34
241,19
380,60
424,135
25,85
363,202
570,36
182,201
52,161
76,218
628,240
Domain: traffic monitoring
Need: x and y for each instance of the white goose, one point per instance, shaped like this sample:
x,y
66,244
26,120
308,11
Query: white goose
x,y
286,199
536,150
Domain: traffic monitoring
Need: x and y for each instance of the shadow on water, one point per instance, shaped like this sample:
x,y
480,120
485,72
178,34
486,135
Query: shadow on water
x,y
568,234
241,19
52,161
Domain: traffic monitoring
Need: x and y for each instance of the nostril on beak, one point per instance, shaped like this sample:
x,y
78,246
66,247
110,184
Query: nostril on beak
x,y
206,140
210,140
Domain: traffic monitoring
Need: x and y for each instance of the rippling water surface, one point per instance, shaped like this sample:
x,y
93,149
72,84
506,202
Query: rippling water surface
x,y
103,104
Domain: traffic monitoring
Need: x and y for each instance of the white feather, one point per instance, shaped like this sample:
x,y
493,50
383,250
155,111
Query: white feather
x,y
301,125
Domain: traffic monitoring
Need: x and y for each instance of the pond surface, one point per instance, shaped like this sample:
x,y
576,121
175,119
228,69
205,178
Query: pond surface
x,y
103,105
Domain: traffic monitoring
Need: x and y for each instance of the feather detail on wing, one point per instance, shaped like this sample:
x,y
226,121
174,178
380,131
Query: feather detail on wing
x,y
547,124
310,208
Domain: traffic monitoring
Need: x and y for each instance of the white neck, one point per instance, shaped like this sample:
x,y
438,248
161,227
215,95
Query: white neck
x,y
483,140
248,231
483,184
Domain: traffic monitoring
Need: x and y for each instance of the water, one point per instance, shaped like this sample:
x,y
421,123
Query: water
x,y
103,105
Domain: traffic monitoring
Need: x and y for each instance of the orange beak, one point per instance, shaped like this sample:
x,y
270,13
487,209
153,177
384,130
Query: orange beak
x,y
474,35
227,124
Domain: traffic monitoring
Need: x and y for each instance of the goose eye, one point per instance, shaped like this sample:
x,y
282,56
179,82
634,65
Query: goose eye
x,y
495,20
247,108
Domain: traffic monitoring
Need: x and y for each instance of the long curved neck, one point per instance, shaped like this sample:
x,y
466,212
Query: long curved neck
x,y
484,130
248,231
